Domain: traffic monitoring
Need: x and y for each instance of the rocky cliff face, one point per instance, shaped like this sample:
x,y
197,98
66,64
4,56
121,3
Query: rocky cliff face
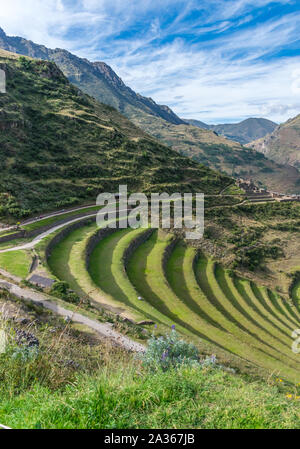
x,y
283,144
95,77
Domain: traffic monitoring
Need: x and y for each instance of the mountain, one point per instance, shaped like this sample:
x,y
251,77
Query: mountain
x,y
92,77
100,81
197,123
226,156
243,132
59,146
283,144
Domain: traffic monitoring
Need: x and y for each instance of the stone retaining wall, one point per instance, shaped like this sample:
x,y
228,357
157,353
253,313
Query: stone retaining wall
x,y
142,238
195,261
9,237
94,240
167,254
63,233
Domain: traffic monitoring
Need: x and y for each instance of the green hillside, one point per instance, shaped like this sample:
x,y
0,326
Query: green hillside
x,y
100,81
95,78
105,387
217,152
150,276
61,147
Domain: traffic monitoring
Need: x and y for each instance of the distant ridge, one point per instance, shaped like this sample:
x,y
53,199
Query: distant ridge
x,y
242,132
95,77
59,146
202,145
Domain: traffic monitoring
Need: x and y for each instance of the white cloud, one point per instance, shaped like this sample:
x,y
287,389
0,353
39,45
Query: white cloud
x,y
220,79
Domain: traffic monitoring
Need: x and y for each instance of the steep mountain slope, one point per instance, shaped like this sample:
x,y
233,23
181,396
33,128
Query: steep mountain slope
x,y
98,80
243,132
92,77
197,123
58,146
283,144
219,153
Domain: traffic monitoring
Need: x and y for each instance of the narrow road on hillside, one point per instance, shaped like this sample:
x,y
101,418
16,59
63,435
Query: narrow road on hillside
x,y
66,211
103,329
43,217
40,237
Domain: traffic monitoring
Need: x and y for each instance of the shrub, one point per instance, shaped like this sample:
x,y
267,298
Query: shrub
x,y
25,63
169,351
61,290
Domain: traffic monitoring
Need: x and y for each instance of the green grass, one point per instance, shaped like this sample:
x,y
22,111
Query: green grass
x,y
233,189
182,279
102,269
291,309
45,222
145,270
6,233
13,243
210,308
59,261
283,358
267,320
67,262
16,262
229,311
266,333
217,312
110,388
52,220
108,272
262,294
185,399
281,305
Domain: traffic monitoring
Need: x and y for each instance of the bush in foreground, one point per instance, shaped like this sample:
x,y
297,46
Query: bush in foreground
x,y
42,390
170,351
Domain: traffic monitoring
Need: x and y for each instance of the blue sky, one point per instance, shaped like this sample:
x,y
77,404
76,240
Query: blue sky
x,y
213,60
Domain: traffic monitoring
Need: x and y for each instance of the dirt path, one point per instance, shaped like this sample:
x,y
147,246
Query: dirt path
x,y
102,329
42,217
40,237
8,275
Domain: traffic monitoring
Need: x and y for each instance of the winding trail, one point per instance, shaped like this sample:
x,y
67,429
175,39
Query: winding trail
x,y
40,237
43,217
66,211
103,329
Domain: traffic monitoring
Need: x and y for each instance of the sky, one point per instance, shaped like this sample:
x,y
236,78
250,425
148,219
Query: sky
x,y
218,61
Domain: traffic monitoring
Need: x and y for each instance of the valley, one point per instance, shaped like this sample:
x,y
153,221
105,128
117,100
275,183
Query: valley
x,y
126,326
155,277
62,149
202,145
218,291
